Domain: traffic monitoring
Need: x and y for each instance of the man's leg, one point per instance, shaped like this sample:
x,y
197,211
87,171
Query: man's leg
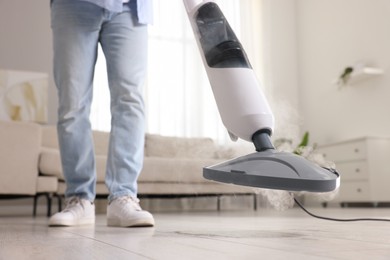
x,y
124,44
75,27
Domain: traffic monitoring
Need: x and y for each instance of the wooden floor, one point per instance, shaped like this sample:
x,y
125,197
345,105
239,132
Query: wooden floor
x,y
265,234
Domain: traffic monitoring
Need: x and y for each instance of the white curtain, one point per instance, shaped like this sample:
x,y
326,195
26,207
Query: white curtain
x,y
178,97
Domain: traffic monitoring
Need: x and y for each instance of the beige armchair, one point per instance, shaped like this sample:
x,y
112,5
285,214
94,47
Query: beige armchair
x,y
20,147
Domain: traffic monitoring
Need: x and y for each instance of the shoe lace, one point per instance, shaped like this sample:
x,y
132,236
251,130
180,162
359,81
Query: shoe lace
x,y
72,204
132,201
72,201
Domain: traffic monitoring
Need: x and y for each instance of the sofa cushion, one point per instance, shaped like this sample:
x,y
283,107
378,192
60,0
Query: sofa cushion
x,y
47,184
150,188
178,147
49,136
19,154
173,170
50,139
101,141
50,164
101,162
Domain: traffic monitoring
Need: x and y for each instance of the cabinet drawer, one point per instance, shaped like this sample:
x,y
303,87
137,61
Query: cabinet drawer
x,y
345,152
353,170
354,191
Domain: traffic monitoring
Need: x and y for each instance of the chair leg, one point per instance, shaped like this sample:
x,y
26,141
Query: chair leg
x,y
218,202
59,201
255,202
59,198
49,197
35,205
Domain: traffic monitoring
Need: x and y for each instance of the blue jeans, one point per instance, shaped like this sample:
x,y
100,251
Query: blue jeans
x,y
77,28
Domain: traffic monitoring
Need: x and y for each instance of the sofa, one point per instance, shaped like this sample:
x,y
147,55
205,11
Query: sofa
x,y
20,151
172,165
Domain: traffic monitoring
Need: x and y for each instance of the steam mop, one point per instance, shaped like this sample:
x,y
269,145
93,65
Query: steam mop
x,y
246,114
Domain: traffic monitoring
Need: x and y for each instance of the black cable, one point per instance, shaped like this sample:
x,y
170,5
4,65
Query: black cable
x,y
338,219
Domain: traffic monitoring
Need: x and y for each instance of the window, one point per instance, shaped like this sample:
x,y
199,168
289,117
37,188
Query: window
x,y
178,97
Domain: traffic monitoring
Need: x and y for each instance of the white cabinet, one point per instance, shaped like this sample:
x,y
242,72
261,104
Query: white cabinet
x,y
364,167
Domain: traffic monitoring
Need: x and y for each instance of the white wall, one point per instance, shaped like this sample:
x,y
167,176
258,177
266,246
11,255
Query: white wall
x,y
26,44
333,34
280,67
25,41
308,42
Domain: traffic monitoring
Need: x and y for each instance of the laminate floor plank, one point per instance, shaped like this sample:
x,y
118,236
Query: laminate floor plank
x,y
263,234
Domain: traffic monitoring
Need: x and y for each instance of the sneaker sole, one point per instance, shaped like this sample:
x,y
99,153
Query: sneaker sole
x,y
71,223
114,222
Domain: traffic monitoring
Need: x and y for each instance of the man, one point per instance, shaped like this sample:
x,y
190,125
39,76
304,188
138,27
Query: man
x,y
120,26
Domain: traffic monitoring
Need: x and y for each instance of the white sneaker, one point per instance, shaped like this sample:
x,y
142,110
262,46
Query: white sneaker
x,y
126,212
77,212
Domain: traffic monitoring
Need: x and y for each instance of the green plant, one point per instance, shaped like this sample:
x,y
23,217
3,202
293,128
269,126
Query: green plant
x,y
287,145
304,143
345,76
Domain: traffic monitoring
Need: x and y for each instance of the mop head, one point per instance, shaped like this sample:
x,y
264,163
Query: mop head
x,y
282,200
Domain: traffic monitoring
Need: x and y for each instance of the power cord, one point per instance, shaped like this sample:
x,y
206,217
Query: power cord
x,y
339,219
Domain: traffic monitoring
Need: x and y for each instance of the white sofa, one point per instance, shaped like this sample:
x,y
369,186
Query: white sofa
x,y
20,148
172,166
